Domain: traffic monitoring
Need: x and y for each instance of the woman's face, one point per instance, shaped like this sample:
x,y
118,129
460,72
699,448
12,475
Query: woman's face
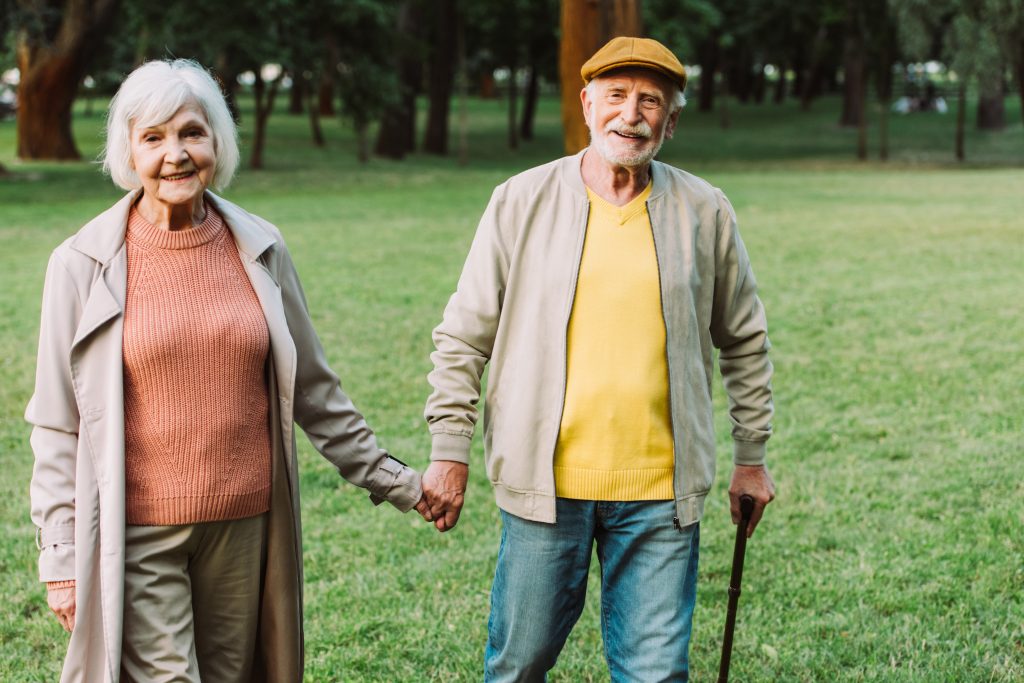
x,y
175,159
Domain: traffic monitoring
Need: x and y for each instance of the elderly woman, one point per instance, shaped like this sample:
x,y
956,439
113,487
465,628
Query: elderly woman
x,y
175,353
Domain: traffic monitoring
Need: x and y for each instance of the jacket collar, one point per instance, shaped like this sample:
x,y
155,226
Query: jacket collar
x,y
103,237
572,175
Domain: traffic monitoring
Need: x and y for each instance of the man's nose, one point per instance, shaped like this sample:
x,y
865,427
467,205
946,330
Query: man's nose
x,y
631,111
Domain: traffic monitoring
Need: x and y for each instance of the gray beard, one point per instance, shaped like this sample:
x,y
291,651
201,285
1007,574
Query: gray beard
x,y
626,160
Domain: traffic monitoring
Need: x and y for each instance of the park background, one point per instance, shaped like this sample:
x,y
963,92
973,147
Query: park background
x,y
888,247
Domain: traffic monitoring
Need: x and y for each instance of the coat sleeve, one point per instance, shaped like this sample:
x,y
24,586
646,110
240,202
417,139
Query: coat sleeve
x,y
740,331
464,340
326,414
53,412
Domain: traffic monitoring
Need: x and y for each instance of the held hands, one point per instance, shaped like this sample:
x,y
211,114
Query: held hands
x,y
444,489
62,602
754,481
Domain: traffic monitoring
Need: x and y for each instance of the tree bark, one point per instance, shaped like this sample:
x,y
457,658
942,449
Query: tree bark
x,y
325,91
314,117
264,97
813,77
853,71
707,55
586,25
530,105
961,118
441,77
779,96
297,95
991,109
396,135
51,70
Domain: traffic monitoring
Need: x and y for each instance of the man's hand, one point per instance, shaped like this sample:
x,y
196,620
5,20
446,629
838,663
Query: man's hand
x,y
754,481
62,602
444,487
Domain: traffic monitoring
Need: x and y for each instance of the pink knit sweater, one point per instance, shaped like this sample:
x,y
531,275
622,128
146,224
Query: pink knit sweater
x,y
197,439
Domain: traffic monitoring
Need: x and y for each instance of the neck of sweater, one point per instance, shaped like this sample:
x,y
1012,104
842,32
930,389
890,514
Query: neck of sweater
x,y
142,231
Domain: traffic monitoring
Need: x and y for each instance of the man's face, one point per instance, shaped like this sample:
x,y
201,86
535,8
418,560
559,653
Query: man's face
x,y
627,111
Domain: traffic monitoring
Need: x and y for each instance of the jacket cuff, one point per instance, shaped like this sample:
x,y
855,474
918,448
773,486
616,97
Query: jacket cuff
x,y
396,483
454,447
57,563
749,452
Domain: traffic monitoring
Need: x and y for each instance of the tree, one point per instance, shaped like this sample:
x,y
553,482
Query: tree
x,y
56,39
396,136
441,76
586,26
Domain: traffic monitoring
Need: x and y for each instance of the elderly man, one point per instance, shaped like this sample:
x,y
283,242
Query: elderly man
x,y
597,287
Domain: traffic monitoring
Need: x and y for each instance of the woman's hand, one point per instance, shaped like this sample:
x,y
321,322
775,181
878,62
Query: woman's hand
x,y
62,602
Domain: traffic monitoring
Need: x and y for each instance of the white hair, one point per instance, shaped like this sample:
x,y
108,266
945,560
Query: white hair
x,y
676,99
152,94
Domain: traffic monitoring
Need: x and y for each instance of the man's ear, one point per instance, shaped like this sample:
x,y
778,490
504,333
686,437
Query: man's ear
x,y
670,127
585,100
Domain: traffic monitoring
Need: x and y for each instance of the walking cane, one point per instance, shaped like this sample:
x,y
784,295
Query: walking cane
x,y
746,509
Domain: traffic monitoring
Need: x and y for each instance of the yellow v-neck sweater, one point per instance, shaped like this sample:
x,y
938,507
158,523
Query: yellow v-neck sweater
x,y
615,441
197,440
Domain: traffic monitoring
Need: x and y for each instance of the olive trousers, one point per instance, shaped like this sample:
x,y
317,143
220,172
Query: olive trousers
x,y
191,601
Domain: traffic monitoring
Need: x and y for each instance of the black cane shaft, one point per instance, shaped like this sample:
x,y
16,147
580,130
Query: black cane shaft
x,y
739,550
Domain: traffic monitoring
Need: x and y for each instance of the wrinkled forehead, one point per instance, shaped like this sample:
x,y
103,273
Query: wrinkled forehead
x,y
634,76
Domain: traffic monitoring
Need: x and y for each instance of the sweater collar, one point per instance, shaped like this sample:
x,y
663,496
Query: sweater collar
x,y
103,237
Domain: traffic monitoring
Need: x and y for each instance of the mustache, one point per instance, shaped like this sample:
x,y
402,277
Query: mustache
x,y
642,129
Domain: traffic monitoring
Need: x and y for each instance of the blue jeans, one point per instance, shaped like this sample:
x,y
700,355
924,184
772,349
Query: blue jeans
x,y
648,590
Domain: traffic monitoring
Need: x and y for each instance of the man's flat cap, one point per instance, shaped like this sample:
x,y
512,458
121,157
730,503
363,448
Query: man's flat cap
x,y
637,52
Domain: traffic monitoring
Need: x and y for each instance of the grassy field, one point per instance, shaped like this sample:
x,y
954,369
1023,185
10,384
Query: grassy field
x,y
895,549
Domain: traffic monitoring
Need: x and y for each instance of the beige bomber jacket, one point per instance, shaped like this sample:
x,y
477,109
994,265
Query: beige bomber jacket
x,y
512,306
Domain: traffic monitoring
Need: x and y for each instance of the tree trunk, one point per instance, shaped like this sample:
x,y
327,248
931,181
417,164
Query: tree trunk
x,y
513,91
883,130
586,25
707,56
779,96
853,72
760,85
297,95
862,127
530,105
264,97
396,135
961,118
511,27
314,117
813,77
992,109
463,85
325,91
724,119
441,77
50,72
362,141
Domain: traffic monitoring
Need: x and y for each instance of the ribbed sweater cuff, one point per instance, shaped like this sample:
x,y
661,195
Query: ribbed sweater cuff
x,y
192,510
54,585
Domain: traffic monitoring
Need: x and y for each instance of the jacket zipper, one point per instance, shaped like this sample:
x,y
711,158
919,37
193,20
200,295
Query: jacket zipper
x,y
668,363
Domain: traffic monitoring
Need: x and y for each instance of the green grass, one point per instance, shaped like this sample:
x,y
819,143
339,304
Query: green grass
x,y
895,549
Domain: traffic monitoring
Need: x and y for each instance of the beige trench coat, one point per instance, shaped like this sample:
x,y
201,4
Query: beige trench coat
x,y
77,410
